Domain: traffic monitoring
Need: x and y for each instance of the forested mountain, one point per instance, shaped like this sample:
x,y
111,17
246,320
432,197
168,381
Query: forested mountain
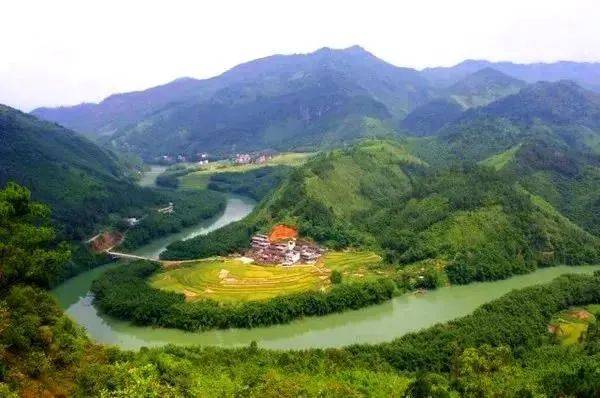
x,y
477,89
482,87
432,116
477,221
547,137
283,102
83,182
586,74
119,110
305,101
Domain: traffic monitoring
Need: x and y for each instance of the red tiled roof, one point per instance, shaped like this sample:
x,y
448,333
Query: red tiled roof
x,y
282,232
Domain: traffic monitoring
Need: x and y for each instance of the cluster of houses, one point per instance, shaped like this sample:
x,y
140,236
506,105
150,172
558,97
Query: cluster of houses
x,y
282,246
246,158
168,209
201,157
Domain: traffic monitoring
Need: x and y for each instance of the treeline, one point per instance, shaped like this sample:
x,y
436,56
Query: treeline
x,y
256,184
232,238
190,208
124,293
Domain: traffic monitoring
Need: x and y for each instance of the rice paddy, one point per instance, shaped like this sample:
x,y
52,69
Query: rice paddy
x,y
569,326
232,280
354,265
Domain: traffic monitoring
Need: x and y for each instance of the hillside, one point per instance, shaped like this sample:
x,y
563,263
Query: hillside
x,y
282,102
82,182
483,87
545,136
477,89
377,195
432,116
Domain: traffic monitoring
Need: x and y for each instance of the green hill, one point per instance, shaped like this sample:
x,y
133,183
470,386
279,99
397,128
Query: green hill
x,y
477,89
83,182
544,137
476,221
483,87
432,116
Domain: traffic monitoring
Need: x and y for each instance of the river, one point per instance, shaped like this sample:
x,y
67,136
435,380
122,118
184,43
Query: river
x,y
384,322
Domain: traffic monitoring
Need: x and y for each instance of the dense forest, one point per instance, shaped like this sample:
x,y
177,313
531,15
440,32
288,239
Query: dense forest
x,y
190,208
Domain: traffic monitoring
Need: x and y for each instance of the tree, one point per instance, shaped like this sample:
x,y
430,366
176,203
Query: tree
x,y
28,252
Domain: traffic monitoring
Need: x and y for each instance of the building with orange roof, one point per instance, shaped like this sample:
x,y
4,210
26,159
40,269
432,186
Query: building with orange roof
x,y
282,232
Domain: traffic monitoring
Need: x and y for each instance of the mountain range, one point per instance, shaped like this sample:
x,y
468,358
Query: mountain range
x,y
300,102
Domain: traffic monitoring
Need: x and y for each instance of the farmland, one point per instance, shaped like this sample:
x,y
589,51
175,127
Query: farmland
x,y
199,179
569,326
230,280
354,265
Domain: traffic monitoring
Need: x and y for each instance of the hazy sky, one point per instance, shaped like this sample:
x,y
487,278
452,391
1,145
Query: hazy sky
x,y
65,52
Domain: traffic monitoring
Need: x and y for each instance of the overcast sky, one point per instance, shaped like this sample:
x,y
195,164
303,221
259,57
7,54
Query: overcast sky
x,y
63,52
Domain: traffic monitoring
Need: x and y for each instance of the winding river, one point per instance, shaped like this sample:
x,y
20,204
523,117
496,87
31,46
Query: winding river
x,y
373,324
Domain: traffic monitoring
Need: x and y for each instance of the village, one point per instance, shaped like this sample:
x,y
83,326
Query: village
x,y
282,246
203,159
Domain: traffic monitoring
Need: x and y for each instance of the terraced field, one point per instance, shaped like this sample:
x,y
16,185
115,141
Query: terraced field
x,y
354,265
199,179
569,326
232,280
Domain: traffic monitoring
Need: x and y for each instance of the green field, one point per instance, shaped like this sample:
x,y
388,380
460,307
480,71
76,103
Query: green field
x,y
199,179
569,326
231,280
354,265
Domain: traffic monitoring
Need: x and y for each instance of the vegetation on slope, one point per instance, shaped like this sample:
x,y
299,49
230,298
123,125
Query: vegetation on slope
x,y
322,99
542,137
376,195
502,349
83,183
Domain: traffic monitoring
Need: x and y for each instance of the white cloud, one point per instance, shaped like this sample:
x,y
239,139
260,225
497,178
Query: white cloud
x,y
65,52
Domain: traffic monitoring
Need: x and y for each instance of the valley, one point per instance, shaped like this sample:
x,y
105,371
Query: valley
x,y
320,224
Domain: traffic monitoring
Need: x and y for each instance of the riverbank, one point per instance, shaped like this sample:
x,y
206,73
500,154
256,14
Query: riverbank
x,y
375,324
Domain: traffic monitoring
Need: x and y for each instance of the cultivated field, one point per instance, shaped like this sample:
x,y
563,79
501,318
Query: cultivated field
x,y
199,179
232,280
354,265
570,325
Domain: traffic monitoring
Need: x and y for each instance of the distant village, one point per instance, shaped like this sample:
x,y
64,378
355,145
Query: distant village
x,y
202,158
282,246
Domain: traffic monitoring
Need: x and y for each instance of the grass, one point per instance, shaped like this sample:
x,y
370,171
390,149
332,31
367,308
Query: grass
x,y
354,265
569,326
500,160
231,280
200,179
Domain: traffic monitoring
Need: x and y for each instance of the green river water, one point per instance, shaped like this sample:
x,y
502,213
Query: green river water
x,y
373,324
